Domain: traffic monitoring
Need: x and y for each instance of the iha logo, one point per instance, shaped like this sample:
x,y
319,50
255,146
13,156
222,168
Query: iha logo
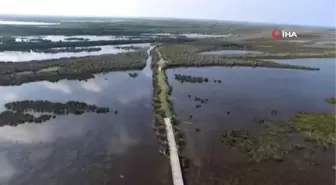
x,y
277,34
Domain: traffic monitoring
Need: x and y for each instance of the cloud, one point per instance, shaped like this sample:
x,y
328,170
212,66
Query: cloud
x,y
8,96
42,133
61,86
91,85
7,170
120,143
131,96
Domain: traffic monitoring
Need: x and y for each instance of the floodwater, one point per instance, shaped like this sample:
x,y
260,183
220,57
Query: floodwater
x,y
198,35
58,38
189,35
230,52
26,23
88,149
232,104
18,56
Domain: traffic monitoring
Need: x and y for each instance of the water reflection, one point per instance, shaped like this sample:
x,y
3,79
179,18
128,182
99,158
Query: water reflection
x,y
119,143
41,133
254,92
147,71
26,23
61,86
92,85
243,94
18,56
63,38
81,145
229,52
6,169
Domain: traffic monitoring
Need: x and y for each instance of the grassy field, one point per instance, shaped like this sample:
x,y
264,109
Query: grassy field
x,y
164,91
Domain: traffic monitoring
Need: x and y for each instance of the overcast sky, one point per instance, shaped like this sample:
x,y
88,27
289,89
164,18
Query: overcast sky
x,y
303,12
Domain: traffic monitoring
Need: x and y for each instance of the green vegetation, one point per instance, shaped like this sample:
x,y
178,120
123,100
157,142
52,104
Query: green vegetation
x,y
155,58
26,46
191,79
331,100
163,108
130,27
17,73
7,39
133,75
317,127
185,55
38,40
128,47
201,100
70,107
76,39
258,148
19,112
16,118
159,113
164,95
68,49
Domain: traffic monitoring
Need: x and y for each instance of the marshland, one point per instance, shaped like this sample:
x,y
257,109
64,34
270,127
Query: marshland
x,y
84,103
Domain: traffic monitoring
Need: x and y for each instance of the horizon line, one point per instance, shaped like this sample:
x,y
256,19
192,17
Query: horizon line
x,y
173,18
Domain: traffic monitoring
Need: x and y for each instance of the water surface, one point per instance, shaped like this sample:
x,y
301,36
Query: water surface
x,y
252,91
26,23
89,148
229,52
63,38
189,35
19,56
232,104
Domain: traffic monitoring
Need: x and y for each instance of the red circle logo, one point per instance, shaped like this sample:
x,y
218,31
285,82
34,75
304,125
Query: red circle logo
x,y
276,34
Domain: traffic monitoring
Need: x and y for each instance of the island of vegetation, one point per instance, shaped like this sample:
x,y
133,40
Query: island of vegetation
x,y
17,73
183,55
331,100
133,75
68,49
20,112
43,44
193,79
76,39
128,47
318,128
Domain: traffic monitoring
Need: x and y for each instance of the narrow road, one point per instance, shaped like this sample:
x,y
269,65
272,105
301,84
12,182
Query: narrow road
x,y
173,150
162,62
173,154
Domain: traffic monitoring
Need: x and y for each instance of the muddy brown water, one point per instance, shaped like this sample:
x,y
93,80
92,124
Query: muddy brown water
x,y
88,149
244,93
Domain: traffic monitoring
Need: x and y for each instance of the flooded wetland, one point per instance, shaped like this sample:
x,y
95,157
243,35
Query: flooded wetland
x,y
232,106
89,106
